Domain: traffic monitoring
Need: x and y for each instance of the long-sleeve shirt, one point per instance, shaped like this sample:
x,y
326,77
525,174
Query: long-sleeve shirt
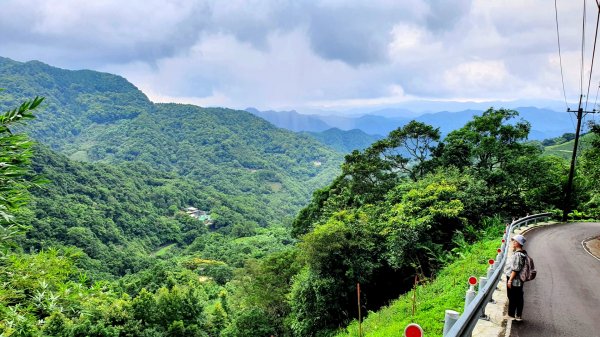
x,y
515,263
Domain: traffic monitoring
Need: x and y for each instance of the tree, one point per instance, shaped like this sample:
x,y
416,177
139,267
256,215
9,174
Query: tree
x,y
486,143
591,173
409,148
491,147
368,175
15,175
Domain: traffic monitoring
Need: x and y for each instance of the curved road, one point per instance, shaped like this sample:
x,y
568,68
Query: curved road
x,y
564,299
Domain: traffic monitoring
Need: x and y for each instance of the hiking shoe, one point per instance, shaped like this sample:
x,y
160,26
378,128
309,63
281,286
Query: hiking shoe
x,y
518,319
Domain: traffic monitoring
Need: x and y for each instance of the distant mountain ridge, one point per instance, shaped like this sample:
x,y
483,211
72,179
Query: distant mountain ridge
x,y
545,123
291,120
345,141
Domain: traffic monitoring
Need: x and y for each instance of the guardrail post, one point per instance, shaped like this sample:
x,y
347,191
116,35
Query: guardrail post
x,y
449,320
490,271
482,283
469,297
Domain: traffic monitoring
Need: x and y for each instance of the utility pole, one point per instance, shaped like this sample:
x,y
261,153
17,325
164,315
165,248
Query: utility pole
x,y
569,189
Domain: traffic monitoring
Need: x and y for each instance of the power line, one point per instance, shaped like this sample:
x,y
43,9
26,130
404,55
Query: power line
x,y
562,76
593,55
580,113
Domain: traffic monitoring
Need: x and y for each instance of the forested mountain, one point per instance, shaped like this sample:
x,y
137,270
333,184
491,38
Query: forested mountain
x,y
120,216
115,214
345,141
265,173
75,101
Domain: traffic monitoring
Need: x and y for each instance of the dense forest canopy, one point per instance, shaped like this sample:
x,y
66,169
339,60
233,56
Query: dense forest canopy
x,y
95,240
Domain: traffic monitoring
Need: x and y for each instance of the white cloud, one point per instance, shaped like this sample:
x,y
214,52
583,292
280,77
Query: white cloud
x,y
289,54
472,77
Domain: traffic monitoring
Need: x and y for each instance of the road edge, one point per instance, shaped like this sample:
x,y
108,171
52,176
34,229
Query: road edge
x,y
585,247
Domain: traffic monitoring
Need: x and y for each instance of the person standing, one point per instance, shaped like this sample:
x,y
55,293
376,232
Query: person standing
x,y
514,285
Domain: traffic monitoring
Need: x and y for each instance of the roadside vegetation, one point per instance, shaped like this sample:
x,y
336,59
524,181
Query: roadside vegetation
x,y
432,296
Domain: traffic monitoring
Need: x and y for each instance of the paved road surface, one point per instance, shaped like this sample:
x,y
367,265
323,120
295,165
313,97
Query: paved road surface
x,y
564,299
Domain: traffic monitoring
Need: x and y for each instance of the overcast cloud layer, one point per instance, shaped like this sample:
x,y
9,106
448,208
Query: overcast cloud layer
x,y
330,54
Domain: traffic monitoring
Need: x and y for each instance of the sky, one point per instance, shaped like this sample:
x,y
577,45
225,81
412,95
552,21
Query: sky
x,y
312,55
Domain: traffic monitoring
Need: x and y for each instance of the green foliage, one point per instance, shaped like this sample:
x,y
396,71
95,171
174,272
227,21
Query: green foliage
x,y
75,100
15,160
250,322
368,175
261,288
408,149
492,148
101,117
486,143
388,217
590,175
380,246
566,137
565,150
446,292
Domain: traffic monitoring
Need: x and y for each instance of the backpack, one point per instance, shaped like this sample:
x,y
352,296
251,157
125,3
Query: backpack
x,y
528,272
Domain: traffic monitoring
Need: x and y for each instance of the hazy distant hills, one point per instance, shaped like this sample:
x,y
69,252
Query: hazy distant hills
x,y
545,123
345,141
291,120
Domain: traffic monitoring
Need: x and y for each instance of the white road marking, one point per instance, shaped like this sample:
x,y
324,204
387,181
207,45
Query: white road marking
x,y
586,248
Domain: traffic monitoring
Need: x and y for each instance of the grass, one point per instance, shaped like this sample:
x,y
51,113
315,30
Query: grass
x,y
275,187
80,156
163,250
565,150
446,291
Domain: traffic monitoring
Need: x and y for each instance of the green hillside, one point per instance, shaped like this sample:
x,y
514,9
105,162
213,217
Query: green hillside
x,y
565,150
120,215
108,229
75,101
256,169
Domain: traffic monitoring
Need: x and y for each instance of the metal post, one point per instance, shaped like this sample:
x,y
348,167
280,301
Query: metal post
x,y
482,282
359,314
469,297
450,318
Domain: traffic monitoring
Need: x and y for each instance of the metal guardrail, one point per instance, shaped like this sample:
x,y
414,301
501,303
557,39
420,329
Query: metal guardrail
x,y
475,310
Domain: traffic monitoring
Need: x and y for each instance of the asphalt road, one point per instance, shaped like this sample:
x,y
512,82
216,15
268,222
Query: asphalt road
x,y
564,299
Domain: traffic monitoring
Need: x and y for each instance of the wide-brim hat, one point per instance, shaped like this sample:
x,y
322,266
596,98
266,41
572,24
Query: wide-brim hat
x,y
520,239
